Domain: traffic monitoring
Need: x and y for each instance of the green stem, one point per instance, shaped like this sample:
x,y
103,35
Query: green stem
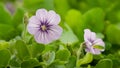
x,y
25,21
79,52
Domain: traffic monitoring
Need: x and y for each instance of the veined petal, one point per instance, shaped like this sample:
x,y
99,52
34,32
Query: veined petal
x,y
93,51
34,21
55,32
96,51
41,14
32,30
53,18
89,36
99,42
33,25
39,37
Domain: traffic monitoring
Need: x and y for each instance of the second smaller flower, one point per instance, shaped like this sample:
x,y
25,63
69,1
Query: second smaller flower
x,y
93,44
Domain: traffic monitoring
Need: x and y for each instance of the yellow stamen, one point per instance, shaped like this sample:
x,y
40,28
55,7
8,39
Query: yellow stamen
x,y
43,27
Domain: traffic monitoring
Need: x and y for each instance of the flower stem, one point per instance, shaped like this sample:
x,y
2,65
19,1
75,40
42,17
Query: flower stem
x,y
79,52
25,21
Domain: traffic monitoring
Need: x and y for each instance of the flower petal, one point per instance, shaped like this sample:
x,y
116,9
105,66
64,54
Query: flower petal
x,y
54,33
32,30
34,21
99,42
89,36
41,14
53,18
33,25
93,51
39,37
96,51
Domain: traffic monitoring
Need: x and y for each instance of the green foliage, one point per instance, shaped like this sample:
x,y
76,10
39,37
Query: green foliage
x,y
18,17
105,63
113,34
37,49
94,19
18,49
72,62
75,21
4,58
59,4
85,60
5,17
60,53
22,50
49,57
30,4
68,37
30,63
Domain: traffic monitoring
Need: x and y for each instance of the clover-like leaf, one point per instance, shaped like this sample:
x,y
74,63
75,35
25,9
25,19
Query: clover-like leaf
x,y
104,63
63,55
85,60
21,50
31,63
49,57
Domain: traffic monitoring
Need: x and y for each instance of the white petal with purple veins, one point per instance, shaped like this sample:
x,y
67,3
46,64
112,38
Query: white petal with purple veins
x,y
41,14
55,32
32,30
89,36
34,21
53,18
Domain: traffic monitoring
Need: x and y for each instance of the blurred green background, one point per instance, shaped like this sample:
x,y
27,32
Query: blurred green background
x,y
101,16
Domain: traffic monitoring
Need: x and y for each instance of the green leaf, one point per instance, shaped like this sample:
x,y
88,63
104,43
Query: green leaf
x,y
104,63
49,4
18,17
63,55
98,47
113,33
6,32
4,45
75,21
37,49
31,63
22,50
55,65
94,19
85,60
68,36
108,45
49,57
59,4
5,17
33,5
14,62
71,63
4,58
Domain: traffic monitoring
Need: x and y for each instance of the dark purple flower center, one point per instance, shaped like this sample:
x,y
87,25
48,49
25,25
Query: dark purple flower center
x,y
45,26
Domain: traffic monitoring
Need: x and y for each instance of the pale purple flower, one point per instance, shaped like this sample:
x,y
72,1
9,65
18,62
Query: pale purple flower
x,y
91,40
44,26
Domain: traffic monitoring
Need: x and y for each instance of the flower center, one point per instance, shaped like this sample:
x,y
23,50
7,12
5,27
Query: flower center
x,y
43,27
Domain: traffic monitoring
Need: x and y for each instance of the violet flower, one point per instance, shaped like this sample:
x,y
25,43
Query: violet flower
x,y
92,43
44,26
